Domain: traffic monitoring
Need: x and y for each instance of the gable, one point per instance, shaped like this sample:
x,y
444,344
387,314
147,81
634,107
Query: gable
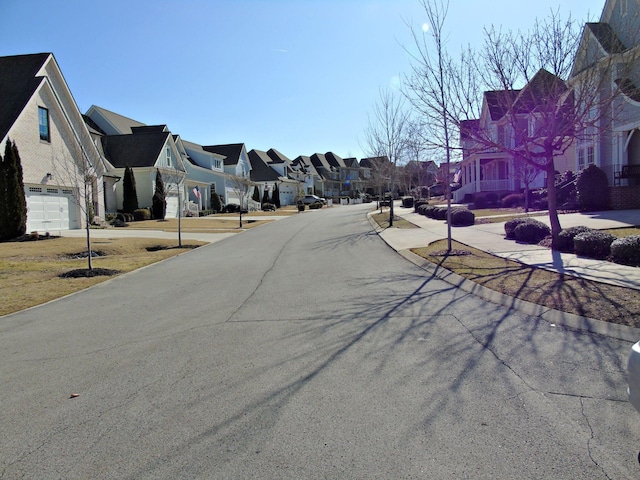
x,y
19,81
135,150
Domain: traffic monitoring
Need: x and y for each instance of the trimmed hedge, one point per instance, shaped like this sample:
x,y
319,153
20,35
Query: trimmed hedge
x,y
566,236
532,231
407,202
141,214
513,200
417,204
231,208
593,244
626,250
315,205
510,226
461,217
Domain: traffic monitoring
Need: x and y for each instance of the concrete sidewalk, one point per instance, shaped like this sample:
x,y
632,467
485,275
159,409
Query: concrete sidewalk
x,y
490,238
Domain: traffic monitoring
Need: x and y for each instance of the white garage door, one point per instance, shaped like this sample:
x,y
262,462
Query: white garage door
x,y
51,208
172,206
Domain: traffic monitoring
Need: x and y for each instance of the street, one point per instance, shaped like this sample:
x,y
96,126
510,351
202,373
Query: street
x,y
305,348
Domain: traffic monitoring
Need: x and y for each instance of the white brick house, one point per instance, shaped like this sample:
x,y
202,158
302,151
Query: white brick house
x,y
39,114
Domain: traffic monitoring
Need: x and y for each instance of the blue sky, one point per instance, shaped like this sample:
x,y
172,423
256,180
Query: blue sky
x,y
299,76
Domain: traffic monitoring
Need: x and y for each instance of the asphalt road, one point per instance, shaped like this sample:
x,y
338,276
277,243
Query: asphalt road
x,y
305,348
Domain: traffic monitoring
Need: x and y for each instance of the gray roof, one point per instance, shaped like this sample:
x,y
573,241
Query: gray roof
x,y
231,152
18,83
606,37
141,149
334,160
260,169
277,157
119,123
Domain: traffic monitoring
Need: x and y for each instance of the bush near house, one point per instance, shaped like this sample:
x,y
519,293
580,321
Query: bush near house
x,y
268,207
532,232
315,205
231,208
593,244
566,236
626,250
592,188
513,200
141,214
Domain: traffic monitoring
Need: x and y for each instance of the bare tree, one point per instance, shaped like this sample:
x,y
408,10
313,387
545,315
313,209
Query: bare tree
x,y
526,174
380,176
173,178
385,135
241,186
432,88
524,75
80,175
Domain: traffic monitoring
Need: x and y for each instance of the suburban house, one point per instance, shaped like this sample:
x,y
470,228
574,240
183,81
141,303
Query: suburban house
x,y
267,172
610,47
489,162
303,170
238,188
202,171
64,175
147,150
205,173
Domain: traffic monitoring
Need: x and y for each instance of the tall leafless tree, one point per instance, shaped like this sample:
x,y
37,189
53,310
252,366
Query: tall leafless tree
x,y
543,113
386,132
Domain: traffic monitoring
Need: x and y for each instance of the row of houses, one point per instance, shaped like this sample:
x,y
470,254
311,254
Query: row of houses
x,y
68,157
611,142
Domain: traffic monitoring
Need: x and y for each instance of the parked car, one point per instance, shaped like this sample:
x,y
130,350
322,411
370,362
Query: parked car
x,y
309,199
633,369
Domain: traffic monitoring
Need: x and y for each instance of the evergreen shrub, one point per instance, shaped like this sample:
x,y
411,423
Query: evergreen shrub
x,y
592,188
532,231
462,217
593,244
141,214
626,250
315,205
510,226
513,200
566,236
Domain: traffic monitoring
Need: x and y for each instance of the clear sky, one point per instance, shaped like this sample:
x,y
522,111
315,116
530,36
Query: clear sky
x,y
296,75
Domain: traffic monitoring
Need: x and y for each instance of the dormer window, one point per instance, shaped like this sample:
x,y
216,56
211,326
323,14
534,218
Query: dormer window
x,y
168,157
43,124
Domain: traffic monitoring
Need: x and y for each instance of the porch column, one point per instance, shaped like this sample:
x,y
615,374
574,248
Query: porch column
x,y
477,182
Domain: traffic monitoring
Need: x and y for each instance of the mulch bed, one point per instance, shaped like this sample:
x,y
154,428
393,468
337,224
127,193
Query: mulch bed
x,y
86,273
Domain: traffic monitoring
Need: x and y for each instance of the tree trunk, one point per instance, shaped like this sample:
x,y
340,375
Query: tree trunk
x,y
554,220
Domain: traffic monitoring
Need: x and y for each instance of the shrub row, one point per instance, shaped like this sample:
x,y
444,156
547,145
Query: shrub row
x,y
593,244
460,216
600,245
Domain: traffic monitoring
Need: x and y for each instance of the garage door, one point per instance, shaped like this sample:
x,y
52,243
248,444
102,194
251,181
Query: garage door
x,y
172,206
51,208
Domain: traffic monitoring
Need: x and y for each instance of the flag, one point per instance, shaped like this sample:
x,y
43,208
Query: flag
x,y
457,175
196,192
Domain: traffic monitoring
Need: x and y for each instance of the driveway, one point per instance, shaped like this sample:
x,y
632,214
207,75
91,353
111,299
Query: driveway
x,y
305,348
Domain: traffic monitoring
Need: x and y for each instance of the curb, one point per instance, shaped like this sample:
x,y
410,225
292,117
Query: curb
x,y
557,317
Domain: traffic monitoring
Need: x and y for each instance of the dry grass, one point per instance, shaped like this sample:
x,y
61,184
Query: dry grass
x,y
29,271
382,219
560,292
213,224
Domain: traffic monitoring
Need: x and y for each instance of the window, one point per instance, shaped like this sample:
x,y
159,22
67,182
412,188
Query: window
x,y
43,123
623,7
168,157
581,162
591,158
